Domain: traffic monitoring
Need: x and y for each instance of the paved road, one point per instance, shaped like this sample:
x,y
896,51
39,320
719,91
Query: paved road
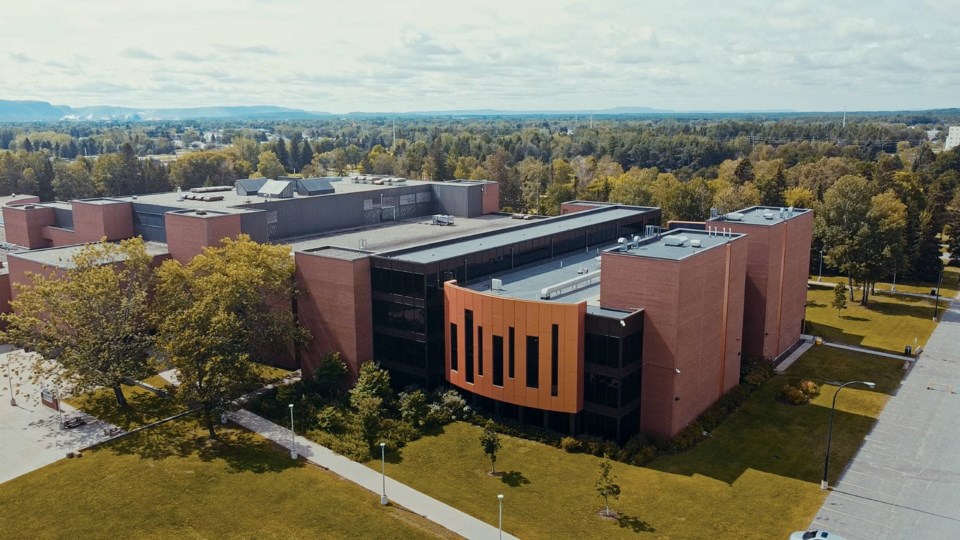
x,y
432,509
30,434
905,480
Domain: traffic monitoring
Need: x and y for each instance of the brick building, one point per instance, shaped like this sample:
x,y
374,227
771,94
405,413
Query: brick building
x,y
593,321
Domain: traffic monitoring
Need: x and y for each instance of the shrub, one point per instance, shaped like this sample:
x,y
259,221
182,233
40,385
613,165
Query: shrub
x,y
756,371
331,419
799,393
413,408
348,444
397,433
570,444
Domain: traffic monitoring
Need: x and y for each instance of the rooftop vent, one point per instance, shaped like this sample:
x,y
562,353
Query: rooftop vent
x,y
201,212
675,240
496,284
767,214
695,243
734,216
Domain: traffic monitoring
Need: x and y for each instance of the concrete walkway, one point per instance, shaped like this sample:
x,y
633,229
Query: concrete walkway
x,y
795,355
904,481
870,351
400,494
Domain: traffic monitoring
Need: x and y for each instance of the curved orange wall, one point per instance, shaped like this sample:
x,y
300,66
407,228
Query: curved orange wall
x,y
496,314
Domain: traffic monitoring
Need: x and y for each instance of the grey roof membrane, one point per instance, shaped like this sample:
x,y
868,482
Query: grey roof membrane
x,y
62,257
526,283
544,228
658,247
763,215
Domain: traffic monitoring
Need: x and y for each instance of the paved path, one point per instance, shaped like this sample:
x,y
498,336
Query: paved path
x,y
30,434
795,355
905,480
432,509
869,351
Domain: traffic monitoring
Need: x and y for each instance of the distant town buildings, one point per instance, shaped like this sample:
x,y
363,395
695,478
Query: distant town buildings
x,y
953,138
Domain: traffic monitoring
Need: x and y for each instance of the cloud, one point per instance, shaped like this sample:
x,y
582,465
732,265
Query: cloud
x,y
250,49
20,58
136,53
188,56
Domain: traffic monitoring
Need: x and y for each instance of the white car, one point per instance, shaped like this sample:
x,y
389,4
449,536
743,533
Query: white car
x,y
815,535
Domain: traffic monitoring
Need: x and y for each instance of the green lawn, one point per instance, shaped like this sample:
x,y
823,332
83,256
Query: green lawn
x,y
950,287
889,323
168,483
757,476
144,406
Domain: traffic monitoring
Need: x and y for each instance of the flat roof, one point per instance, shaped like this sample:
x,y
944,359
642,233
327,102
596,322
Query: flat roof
x,y
393,235
762,215
539,229
659,247
526,283
337,253
232,199
62,257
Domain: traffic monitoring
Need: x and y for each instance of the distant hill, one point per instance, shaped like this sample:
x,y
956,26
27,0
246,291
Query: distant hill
x,y
41,111
534,112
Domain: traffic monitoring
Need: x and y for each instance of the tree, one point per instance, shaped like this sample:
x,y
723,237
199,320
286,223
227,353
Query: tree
x,y
842,224
225,309
414,407
839,297
282,155
372,381
329,375
490,442
92,316
270,166
72,180
606,485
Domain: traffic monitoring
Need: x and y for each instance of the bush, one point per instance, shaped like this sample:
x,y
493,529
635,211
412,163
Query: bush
x,y
637,451
331,419
570,444
413,408
799,393
397,433
348,444
756,371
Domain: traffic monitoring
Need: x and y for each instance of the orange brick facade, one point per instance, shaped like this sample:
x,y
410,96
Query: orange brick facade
x,y
496,315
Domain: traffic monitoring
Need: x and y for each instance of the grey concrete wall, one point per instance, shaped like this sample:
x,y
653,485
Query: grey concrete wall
x,y
64,218
255,225
291,218
142,223
458,199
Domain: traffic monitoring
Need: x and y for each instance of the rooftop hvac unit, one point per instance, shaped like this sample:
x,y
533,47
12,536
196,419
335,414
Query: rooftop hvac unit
x,y
675,240
496,284
695,243
767,214
734,216
714,213
790,211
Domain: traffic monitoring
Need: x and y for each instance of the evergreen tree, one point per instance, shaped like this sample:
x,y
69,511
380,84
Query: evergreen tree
x,y
27,145
282,154
839,297
306,154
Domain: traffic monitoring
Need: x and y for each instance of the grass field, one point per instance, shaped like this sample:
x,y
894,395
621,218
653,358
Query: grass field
x,y
889,323
949,289
757,476
146,406
167,482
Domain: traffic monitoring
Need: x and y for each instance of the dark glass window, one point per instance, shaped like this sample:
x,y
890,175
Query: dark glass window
x,y
632,349
512,353
498,360
468,343
533,362
601,390
480,351
454,357
554,359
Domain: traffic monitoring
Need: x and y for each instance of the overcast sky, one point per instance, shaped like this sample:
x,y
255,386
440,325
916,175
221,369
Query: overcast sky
x,y
396,55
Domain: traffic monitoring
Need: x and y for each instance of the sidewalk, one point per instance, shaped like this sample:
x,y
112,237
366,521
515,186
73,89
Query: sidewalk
x,y
904,482
400,494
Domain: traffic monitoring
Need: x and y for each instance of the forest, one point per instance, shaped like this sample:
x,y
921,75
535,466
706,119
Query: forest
x,y
884,192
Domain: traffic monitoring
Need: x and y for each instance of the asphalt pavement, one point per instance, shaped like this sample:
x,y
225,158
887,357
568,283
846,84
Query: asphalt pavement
x,y
905,480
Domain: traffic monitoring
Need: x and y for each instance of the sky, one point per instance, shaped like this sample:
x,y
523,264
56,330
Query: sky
x,y
417,55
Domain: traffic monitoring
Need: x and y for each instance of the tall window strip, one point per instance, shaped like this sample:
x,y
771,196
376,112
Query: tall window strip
x,y
468,344
533,362
512,352
454,353
497,360
480,351
554,359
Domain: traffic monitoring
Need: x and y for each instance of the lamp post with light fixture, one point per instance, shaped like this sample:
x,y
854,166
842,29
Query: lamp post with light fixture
x,y
383,473
833,408
500,522
945,259
293,436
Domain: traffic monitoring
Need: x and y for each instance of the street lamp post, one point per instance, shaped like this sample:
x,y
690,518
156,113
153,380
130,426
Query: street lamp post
x,y
945,259
293,436
383,473
820,275
500,523
826,460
